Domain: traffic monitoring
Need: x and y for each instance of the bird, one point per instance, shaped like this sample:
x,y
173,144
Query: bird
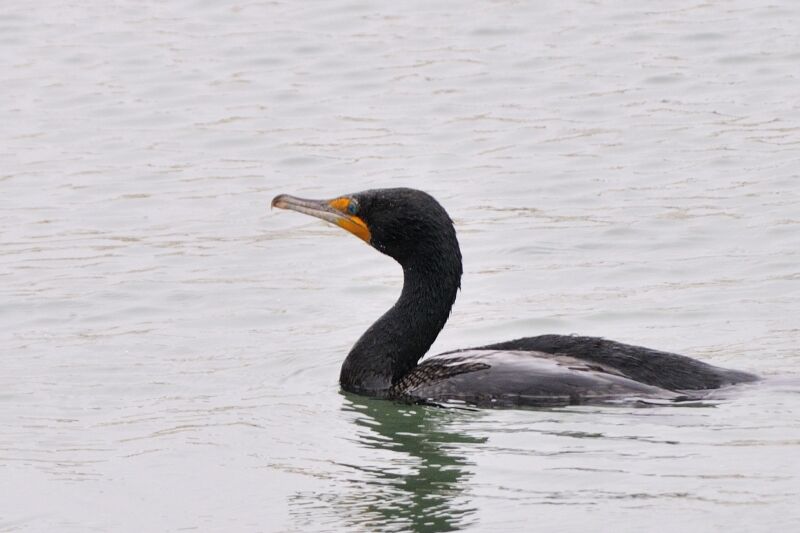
x,y
413,228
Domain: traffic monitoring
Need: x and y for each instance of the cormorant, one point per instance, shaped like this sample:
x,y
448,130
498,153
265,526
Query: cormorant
x,y
548,370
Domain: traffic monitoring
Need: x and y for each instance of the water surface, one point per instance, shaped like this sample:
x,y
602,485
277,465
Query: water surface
x,y
171,346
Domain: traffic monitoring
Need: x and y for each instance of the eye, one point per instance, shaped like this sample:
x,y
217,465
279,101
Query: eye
x,y
352,207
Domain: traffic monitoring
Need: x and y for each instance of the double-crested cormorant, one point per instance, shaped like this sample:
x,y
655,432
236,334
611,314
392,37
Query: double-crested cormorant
x,y
411,227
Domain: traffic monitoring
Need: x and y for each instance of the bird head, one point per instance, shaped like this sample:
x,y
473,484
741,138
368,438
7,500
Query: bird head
x,y
405,224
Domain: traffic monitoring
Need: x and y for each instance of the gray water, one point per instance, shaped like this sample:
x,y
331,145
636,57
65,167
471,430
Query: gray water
x,y
171,347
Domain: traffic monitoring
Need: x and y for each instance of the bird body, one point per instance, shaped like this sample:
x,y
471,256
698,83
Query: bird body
x,y
508,378
548,370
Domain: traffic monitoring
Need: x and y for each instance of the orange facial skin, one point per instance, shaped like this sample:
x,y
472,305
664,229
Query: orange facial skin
x,y
351,223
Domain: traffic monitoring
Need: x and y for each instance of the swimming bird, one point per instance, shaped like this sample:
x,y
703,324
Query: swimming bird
x,y
411,227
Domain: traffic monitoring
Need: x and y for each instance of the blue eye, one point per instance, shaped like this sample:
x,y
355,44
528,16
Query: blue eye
x,y
352,207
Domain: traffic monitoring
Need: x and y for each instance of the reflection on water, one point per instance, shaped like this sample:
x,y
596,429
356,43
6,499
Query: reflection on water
x,y
421,486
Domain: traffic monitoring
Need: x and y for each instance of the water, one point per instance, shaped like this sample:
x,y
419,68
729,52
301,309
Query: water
x,y
171,346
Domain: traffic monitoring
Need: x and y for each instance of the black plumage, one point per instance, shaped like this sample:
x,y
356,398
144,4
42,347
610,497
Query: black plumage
x,y
413,228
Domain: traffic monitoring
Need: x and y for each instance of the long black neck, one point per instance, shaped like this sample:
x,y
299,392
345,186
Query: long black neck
x,y
393,345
